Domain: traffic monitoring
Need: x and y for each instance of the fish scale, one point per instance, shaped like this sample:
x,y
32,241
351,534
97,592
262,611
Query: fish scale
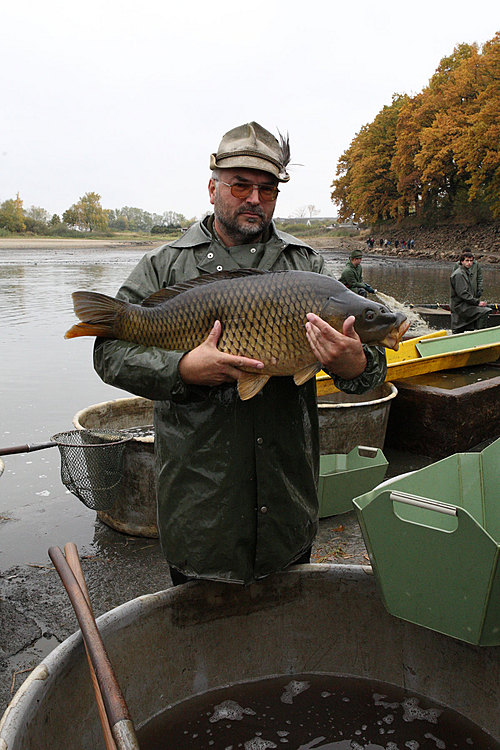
x,y
262,314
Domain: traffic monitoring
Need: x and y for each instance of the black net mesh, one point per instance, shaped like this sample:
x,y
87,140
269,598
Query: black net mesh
x,y
92,465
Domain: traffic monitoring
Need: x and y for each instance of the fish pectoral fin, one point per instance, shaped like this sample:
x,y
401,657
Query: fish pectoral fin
x,y
249,384
306,373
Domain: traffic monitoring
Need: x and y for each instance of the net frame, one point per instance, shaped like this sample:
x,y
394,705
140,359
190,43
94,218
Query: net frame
x,y
92,465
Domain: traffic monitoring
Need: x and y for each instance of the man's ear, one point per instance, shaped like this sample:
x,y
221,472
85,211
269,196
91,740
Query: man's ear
x,y
211,190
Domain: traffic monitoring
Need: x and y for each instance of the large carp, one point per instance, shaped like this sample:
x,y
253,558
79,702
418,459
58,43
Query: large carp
x,y
263,316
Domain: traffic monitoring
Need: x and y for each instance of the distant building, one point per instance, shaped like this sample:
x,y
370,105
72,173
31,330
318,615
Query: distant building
x,y
307,220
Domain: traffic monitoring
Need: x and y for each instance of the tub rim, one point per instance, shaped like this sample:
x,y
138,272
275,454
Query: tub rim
x,y
79,414
393,392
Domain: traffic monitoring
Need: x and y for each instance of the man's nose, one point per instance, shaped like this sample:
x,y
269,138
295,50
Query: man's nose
x,y
254,196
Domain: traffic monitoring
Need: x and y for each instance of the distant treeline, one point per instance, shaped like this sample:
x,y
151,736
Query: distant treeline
x,y
435,155
87,215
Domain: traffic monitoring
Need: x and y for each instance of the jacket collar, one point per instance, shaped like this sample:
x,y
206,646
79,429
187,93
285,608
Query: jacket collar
x,y
198,234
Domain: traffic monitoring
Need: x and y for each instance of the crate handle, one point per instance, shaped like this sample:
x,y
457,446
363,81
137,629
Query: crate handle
x,y
368,451
423,502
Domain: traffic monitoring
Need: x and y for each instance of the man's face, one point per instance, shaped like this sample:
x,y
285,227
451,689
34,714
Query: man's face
x,y
356,261
243,219
467,262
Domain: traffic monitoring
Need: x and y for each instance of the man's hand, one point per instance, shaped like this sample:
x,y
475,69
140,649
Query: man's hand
x,y
206,365
341,353
482,304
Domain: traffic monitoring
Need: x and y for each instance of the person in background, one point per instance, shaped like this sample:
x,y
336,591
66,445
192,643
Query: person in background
x,y
476,272
236,480
352,275
468,311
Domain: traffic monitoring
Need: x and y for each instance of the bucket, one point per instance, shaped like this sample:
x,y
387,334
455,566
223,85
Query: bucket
x,y
310,619
347,420
134,510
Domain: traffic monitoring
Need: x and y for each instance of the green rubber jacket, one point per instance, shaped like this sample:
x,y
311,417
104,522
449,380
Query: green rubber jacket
x,y
236,480
352,277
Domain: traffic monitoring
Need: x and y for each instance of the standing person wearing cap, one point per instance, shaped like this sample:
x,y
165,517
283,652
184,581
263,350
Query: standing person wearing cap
x,y
352,275
236,480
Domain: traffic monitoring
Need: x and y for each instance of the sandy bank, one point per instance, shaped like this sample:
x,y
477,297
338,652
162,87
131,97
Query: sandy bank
x,y
44,243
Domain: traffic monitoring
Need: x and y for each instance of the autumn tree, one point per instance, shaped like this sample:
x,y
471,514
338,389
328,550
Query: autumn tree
x,y
366,184
477,147
12,216
435,154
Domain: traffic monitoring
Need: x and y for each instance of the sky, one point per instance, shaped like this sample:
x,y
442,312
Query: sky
x,y
128,99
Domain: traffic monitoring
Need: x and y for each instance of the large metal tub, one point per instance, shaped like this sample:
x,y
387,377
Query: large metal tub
x,y
134,510
311,618
347,420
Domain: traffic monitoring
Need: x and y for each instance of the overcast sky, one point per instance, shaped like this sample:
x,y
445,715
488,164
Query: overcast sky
x,y
128,99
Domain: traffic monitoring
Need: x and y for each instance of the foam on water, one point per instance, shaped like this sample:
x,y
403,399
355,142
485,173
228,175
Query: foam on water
x,y
412,712
257,743
230,710
418,326
295,687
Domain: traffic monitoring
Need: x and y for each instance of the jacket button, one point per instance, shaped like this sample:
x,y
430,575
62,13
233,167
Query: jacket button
x,y
260,441
219,268
263,509
253,250
210,256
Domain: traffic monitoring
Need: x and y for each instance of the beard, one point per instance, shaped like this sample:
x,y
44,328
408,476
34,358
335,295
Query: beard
x,y
244,232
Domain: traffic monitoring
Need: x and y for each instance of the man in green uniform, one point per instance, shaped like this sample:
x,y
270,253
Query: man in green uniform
x,y
236,480
468,312
352,275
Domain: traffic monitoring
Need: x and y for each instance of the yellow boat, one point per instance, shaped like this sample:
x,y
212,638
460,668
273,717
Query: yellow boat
x,y
470,348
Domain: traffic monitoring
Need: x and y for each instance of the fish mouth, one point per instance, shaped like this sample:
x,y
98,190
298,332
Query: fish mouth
x,y
393,339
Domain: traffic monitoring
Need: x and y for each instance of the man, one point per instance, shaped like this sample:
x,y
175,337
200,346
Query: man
x,y
236,480
468,312
475,271
352,275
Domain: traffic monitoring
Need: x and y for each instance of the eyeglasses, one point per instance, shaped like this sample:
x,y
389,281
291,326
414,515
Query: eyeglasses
x,y
242,190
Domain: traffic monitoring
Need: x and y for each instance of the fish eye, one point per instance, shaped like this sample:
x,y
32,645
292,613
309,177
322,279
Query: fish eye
x,y
370,315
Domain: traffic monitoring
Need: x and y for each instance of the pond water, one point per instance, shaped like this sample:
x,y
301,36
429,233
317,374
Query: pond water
x,y
45,379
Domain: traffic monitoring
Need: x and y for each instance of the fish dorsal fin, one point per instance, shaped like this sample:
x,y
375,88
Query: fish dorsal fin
x,y
207,278
249,384
306,373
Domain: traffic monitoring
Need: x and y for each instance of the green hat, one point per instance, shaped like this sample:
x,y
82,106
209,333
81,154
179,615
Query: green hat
x,y
253,147
356,254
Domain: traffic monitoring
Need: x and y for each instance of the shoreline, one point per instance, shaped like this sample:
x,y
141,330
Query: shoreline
x,y
325,243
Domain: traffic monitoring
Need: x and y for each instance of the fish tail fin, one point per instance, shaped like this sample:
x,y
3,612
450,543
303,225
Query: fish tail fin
x,y
98,315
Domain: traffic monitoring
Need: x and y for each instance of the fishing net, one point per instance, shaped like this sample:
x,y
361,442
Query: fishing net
x,y
92,465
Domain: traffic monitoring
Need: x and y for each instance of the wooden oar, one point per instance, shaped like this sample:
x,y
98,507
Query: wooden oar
x,y
73,560
116,709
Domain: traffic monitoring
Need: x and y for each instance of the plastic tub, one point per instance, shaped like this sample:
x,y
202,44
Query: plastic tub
x,y
343,476
434,541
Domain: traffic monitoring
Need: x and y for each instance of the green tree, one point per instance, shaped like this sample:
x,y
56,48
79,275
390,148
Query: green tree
x,y
87,213
38,214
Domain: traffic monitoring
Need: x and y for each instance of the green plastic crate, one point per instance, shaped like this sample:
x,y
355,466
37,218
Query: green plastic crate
x,y
342,476
434,542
